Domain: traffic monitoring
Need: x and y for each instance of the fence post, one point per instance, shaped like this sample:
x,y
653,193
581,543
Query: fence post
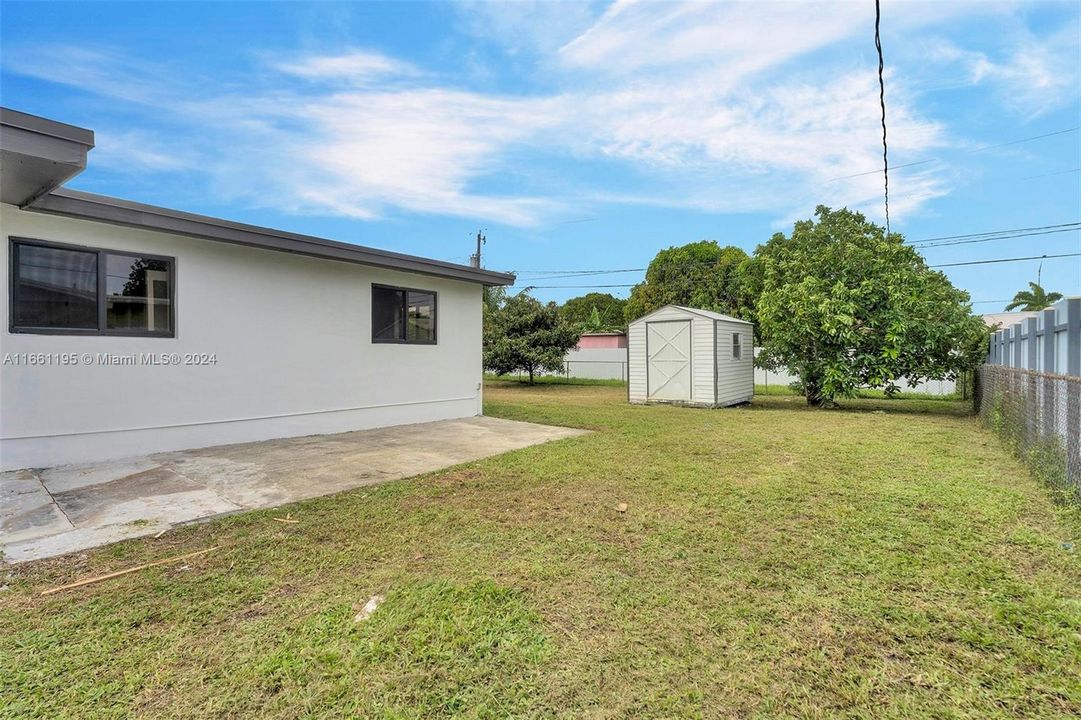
x,y
1015,333
1030,334
1048,340
1073,336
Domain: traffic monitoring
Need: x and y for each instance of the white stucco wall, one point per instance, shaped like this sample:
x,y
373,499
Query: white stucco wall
x,y
292,340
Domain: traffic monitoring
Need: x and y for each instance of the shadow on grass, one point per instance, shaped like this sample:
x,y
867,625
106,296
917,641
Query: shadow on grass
x,y
774,398
899,406
550,380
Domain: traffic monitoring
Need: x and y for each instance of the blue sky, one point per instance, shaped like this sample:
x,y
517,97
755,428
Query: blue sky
x,y
580,135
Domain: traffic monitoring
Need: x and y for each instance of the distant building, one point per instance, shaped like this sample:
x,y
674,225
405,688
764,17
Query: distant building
x,y
592,341
1006,319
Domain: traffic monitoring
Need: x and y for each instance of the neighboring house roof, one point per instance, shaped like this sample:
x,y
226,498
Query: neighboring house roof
x,y
40,154
1006,319
704,313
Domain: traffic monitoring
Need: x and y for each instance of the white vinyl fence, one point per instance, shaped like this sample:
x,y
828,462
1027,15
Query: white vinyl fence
x,y
596,363
1030,393
783,377
1050,342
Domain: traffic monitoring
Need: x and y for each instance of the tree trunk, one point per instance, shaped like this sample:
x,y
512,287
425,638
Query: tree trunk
x,y
812,390
530,376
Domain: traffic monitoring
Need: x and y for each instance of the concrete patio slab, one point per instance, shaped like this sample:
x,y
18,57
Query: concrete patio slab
x,y
61,510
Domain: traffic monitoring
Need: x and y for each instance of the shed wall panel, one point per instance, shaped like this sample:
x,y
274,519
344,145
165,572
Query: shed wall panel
x,y
735,377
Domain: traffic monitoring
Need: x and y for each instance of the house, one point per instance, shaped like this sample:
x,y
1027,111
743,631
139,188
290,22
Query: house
x,y
1006,319
598,356
132,329
601,340
690,357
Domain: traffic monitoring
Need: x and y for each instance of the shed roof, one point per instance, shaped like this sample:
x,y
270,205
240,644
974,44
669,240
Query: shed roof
x,y
696,311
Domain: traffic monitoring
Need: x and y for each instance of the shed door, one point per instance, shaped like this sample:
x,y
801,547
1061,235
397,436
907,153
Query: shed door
x,y
668,359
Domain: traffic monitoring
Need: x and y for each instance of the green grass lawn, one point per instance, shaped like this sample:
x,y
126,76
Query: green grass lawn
x,y
886,560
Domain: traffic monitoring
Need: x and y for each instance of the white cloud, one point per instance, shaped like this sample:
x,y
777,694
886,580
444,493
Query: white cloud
x,y
356,67
536,26
717,107
744,37
1031,75
129,150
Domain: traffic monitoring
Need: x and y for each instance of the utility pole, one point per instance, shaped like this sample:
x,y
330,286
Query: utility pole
x,y
474,260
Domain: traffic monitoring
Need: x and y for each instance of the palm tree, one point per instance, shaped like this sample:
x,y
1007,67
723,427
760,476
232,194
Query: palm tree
x,y
1035,299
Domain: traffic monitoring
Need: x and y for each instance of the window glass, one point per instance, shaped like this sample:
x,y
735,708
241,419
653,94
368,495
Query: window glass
x,y
421,317
59,288
737,351
400,315
388,309
55,288
137,293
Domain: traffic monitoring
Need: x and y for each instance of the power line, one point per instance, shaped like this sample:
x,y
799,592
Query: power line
x,y
946,243
552,287
941,265
1057,172
995,232
1004,260
882,102
925,243
974,150
1025,140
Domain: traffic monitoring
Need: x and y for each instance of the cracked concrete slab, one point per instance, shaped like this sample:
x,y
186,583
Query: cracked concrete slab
x,y
60,510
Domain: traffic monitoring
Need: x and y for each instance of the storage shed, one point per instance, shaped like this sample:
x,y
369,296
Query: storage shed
x,y
689,356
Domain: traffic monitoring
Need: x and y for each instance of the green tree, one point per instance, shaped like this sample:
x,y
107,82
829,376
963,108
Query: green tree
x,y
524,334
844,306
494,297
579,311
1035,298
701,274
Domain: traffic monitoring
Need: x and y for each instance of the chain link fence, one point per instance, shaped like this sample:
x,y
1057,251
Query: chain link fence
x,y
1039,416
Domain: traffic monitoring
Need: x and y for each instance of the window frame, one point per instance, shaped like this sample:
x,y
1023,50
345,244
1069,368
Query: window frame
x,y
404,340
737,346
102,306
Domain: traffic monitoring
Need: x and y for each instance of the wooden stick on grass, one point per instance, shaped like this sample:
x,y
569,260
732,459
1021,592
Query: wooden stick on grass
x,y
118,573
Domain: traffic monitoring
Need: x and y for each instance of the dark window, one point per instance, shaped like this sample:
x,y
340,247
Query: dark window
x,y
67,289
401,315
136,293
737,351
55,288
388,314
420,316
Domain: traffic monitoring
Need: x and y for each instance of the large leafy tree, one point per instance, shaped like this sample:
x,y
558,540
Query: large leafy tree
x,y
1035,298
524,334
595,311
701,274
844,306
